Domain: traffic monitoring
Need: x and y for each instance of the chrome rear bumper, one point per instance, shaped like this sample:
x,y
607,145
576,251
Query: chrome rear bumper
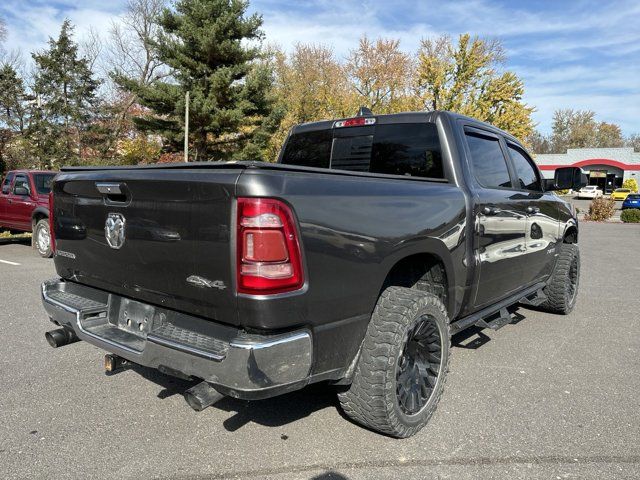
x,y
239,364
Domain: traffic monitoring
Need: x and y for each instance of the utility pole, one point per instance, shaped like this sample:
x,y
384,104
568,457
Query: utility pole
x,y
39,108
186,127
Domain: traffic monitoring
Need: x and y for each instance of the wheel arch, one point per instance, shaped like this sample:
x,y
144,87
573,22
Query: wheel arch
x,y
409,266
570,234
38,214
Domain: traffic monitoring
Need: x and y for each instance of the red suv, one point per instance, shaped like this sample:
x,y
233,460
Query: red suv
x,y
24,205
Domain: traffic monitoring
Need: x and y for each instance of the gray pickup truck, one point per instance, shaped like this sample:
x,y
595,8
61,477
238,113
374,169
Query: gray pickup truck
x,y
351,261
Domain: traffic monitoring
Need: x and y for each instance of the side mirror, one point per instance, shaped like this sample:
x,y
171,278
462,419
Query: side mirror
x,y
21,191
567,178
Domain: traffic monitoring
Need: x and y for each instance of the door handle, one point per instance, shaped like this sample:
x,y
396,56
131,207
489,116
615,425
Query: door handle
x,y
9,201
533,210
491,210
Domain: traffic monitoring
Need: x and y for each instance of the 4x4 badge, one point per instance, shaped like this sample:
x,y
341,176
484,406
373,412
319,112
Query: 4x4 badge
x,y
114,230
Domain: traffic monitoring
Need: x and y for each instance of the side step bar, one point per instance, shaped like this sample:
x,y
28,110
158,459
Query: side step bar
x,y
502,319
535,299
483,318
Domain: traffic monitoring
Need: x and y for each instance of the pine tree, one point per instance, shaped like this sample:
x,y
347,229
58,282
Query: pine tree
x,y
12,99
211,45
66,91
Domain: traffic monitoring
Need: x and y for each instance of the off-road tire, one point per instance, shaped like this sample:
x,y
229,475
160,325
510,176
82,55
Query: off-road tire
x,y
562,289
42,228
372,399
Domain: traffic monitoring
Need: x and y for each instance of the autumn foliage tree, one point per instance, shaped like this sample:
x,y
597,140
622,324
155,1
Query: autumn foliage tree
x,y
310,84
467,78
577,129
380,74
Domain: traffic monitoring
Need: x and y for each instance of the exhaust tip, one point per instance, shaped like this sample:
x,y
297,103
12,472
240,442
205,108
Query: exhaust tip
x,y
201,396
61,337
51,340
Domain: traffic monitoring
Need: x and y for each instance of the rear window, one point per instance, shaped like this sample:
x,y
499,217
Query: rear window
x,y
43,182
410,149
634,196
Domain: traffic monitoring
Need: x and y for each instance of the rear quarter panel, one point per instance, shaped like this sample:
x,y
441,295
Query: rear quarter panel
x,y
353,231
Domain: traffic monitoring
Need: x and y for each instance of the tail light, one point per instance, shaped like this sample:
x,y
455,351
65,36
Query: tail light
x,y
355,122
268,252
52,236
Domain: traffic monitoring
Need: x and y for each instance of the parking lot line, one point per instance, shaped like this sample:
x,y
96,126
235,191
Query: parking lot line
x,y
9,263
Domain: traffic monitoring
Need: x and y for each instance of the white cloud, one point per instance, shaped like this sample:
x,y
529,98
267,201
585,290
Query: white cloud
x,y
581,54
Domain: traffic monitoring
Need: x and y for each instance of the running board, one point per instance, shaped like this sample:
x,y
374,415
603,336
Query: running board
x,y
503,318
480,318
535,299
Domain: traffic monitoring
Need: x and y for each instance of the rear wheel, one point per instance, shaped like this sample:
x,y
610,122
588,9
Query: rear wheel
x,y
562,289
42,238
400,375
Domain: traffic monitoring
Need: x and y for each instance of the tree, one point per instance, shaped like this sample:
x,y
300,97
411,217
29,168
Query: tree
x,y
131,54
633,141
66,99
631,184
381,75
538,142
573,129
467,78
12,99
579,129
211,47
310,84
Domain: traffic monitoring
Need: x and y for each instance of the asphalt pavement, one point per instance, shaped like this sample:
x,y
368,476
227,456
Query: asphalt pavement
x,y
544,397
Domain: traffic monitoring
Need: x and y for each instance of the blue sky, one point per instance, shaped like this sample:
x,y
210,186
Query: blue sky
x,y
579,54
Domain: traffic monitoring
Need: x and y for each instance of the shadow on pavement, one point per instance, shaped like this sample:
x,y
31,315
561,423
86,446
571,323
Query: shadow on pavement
x,y
473,337
330,476
284,409
271,412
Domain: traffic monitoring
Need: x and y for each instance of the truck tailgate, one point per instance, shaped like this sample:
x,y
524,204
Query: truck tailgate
x,y
174,248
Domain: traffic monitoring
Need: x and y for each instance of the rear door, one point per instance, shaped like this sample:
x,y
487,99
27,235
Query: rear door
x,y
499,224
541,212
158,235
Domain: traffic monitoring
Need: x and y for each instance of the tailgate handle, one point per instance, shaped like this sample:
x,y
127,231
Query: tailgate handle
x,y
114,192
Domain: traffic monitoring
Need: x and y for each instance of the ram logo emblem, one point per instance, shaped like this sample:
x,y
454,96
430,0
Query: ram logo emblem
x,y
114,230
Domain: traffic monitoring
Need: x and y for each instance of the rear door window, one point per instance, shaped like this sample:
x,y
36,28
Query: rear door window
x,y
489,165
408,149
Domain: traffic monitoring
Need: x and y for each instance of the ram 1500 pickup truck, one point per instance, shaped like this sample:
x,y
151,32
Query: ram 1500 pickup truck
x,y
24,205
351,261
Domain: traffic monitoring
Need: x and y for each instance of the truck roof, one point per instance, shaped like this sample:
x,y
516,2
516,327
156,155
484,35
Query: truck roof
x,y
405,117
26,170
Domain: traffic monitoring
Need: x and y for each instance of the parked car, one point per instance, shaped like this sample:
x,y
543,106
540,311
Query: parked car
x,y
24,205
590,191
352,261
632,201
620,193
